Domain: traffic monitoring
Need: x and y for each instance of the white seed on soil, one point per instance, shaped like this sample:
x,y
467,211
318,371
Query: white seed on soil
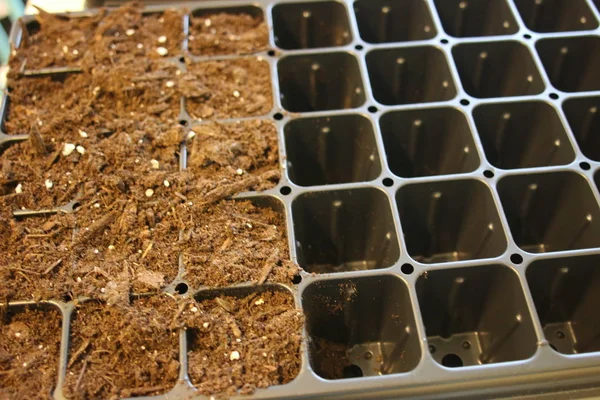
x,y
48,183
68,149
34,97
143,347
96,251
137,160
170,84
259,302
75,52
205,325
97,205
140,46
162,51
207,22
162,39
41,346
111,247
83,134
40,123
103,290
194,309
130,32
18,334
249,225
80,150
149,192
178,72
239,171
166,183
235,355
96,90
191,38
238,340
79,279
19,189
236,93
154,164
264,354
24,364
191,135
65,49
113,46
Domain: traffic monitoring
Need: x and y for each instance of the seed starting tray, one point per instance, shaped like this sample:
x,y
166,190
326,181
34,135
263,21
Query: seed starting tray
x,y
440,181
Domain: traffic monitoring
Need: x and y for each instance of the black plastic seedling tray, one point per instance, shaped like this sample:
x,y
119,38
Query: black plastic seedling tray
x,y
440,185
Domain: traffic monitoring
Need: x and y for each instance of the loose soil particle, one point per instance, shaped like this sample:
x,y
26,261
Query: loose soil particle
x,y
101,39
227,89
236,241
227,33
29,352
243,343
123,351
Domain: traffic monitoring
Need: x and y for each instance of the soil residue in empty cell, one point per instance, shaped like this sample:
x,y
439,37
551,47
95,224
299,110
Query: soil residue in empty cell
x,y
227,89
244,343
227,33
29,351
330,358
123,351
236,241
35,254
105,38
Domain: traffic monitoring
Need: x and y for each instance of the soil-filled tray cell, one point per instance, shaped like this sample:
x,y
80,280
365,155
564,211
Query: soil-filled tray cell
x,y
103,38
523,135
428,142
243,339
497,69
553,211
475,315
235,242
122,350
566,295
410,75
29,351
462,18
383,21
556,15
450,221
231,30
330,150
311,25
344,230
227,88
582,114
318,82
360,327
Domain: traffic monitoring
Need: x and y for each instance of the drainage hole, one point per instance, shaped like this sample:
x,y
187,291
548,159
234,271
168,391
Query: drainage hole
x,y
372,109
181,288
465,102
585,166
183,122
278,116
407,269
444,41
271,53
388,182
352,371
488,174
296,279
285,190
516,258
553,96
359,47
451,360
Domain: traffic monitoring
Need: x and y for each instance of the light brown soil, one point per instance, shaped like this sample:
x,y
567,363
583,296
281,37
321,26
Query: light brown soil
x,y
263,328
227,89
222,33
29,350
122,351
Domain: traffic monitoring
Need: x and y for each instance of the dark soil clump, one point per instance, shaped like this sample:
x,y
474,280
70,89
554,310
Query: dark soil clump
x,y
123,351
241,344
29,351
222,33
227,89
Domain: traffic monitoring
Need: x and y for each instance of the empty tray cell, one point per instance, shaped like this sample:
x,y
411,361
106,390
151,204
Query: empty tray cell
x,y
550,211
566,293
381,21
450,221
523,135
330,150
428,142
320,82
410,75
29,348
475,315
231,30
311,25
582,115
572,64
463,18
360,327
344,230
556,15
241,339
497,69
123,350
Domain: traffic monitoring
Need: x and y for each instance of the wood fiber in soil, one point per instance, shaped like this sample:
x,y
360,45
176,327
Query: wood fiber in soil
x,y
234,242
265,329
35,255
122,351
29,351
227,88
105,38
227,33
